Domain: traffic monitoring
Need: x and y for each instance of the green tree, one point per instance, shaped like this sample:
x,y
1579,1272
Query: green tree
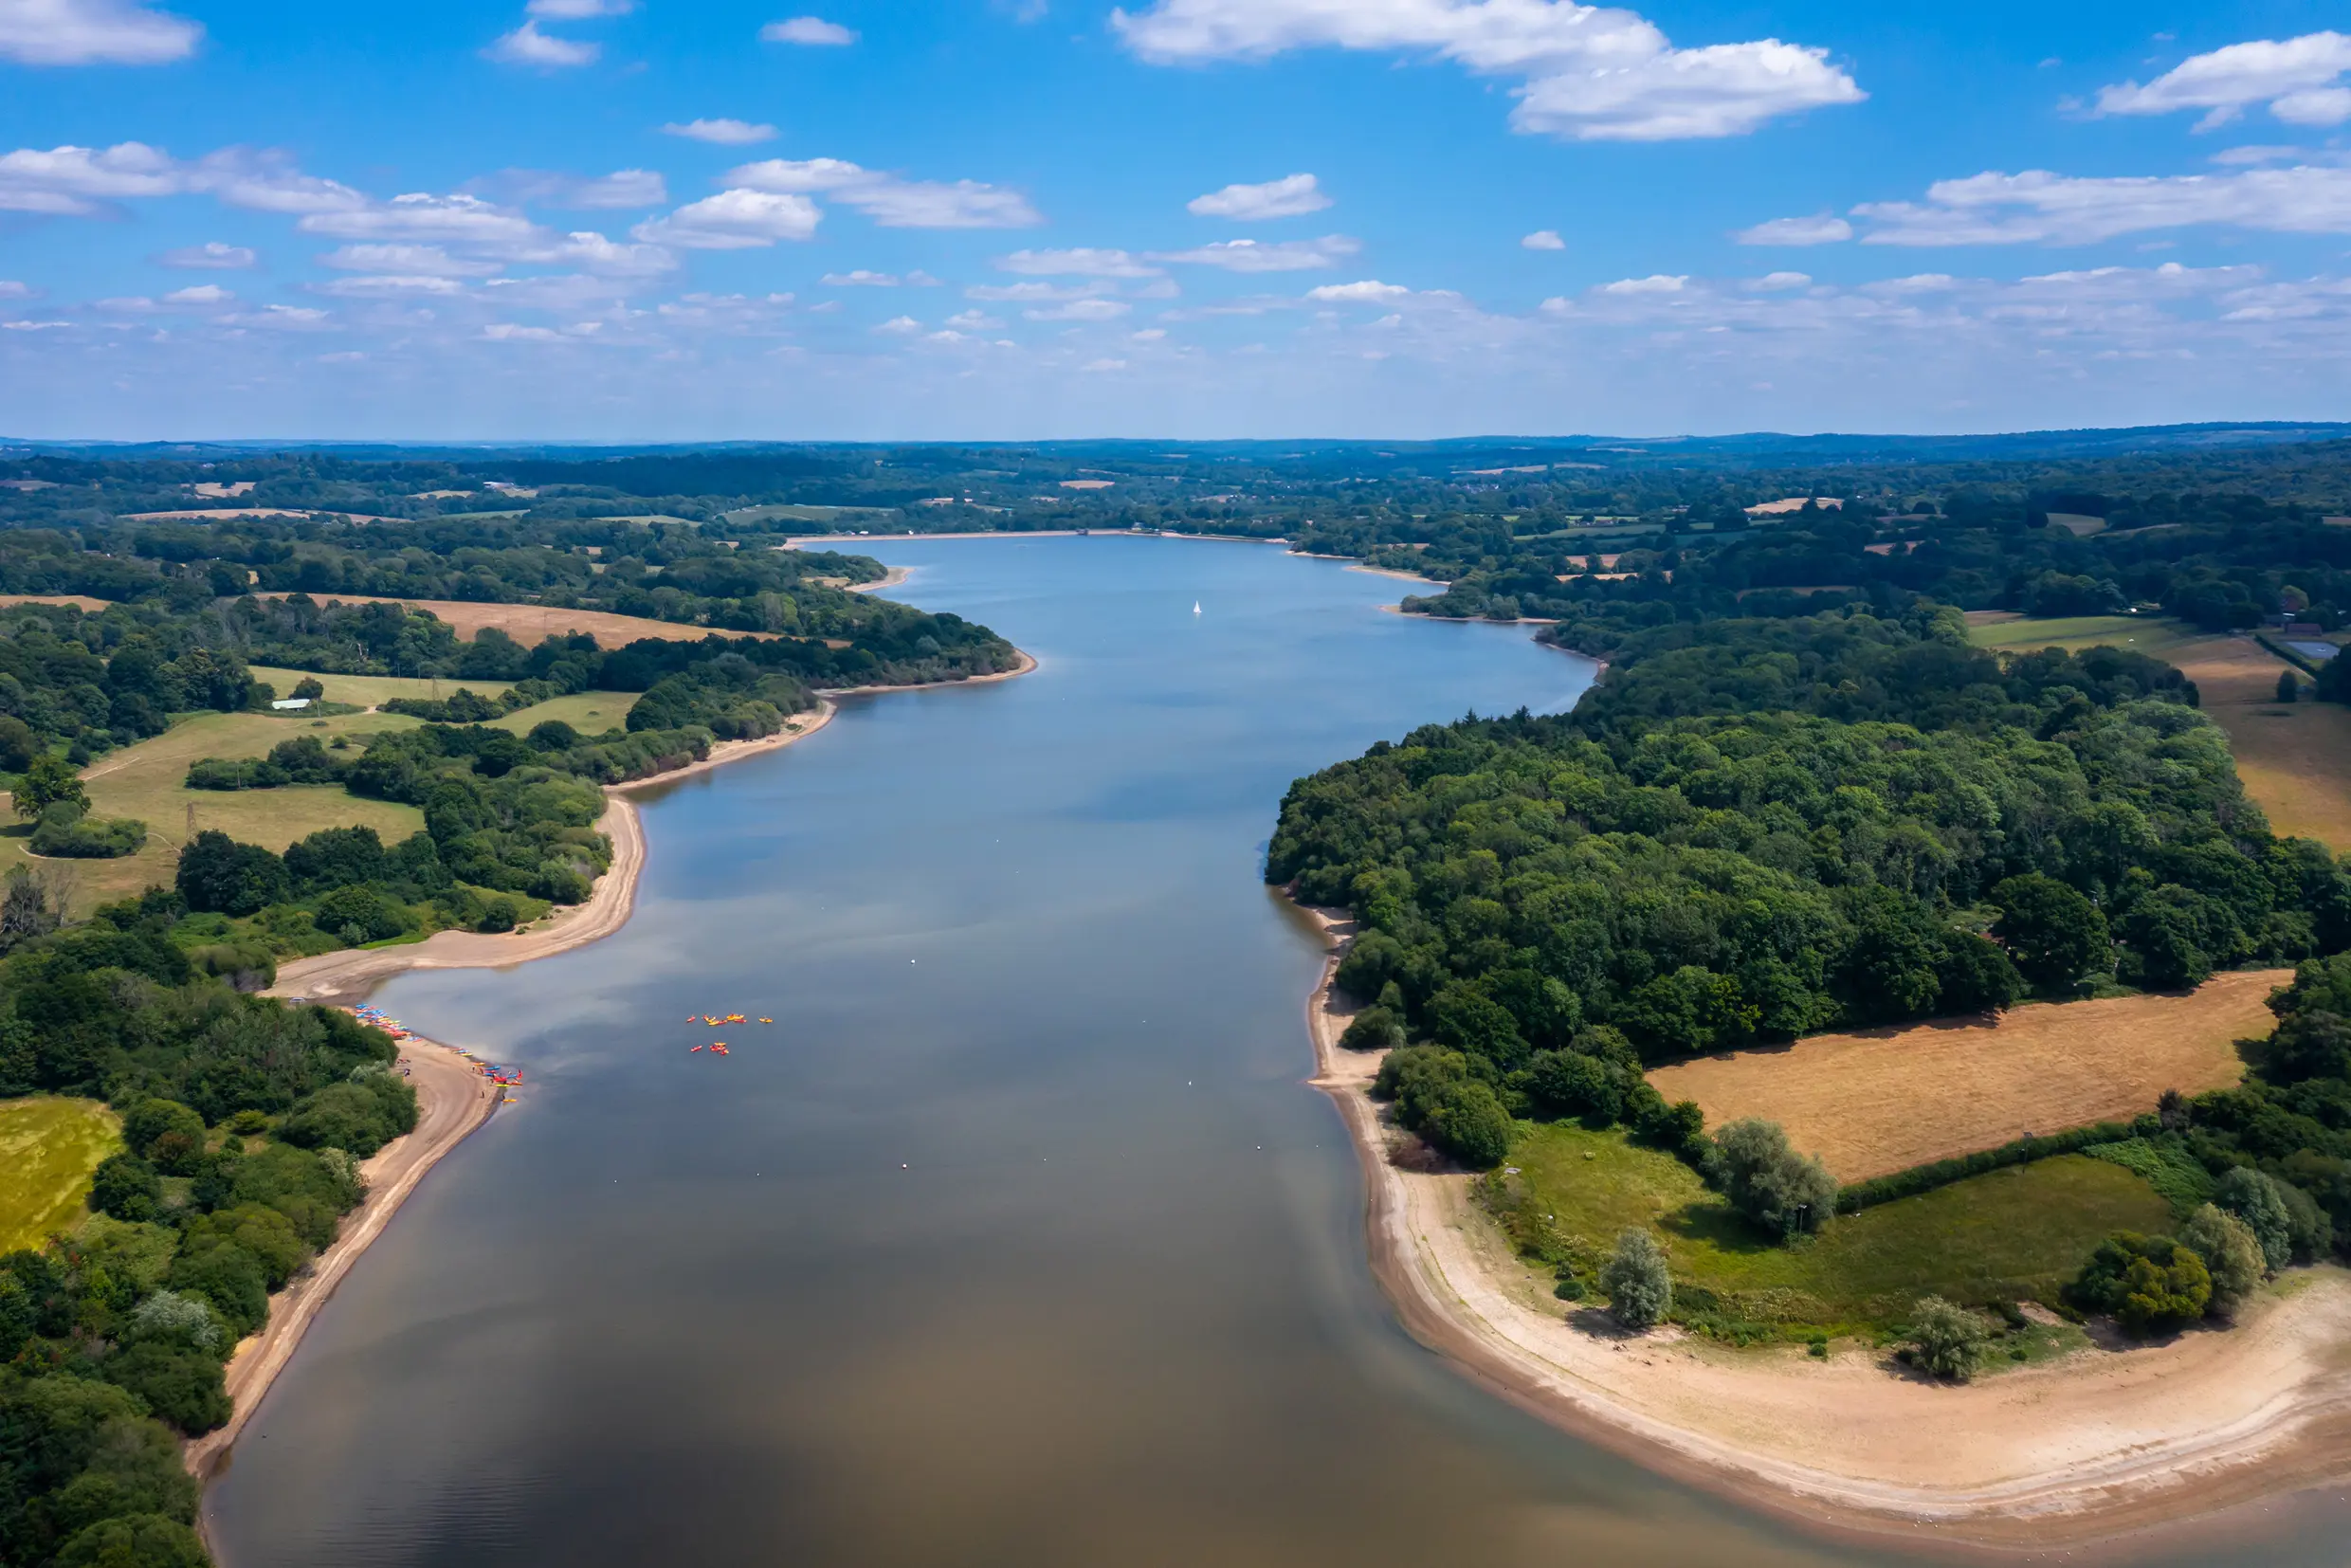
x,y
49,781
1467,1121
1636,1281
1781,1191
2054,935
2255,1198
1374,1029
126,1187
217,875
2150,1283
2231,1251
2289,686
1946,1340
141,1540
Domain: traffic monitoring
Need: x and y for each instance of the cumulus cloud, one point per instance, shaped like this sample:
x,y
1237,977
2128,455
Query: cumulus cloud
x,y
527,46
721,133
901,325
888,200
861,279
83,182
425,260
2041,207
92,32
974,320
1820,229
389,286
212,256
10,289
1292,196
1589,73
1257,256
1015,293
1080,310
809,30
1369,292
1080,262
622,189
200,294
1656,282
425,218
2300,79
735,220
1772,283
1544,239
579,11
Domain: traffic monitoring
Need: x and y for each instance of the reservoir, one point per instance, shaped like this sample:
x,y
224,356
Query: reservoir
x,y
1016,1239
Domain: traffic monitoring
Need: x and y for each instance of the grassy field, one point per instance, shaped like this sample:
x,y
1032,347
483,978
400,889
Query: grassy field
x,y
530,624
49,1147
365,691
2295,758
2009,1235
145,782
1884,1100
589,712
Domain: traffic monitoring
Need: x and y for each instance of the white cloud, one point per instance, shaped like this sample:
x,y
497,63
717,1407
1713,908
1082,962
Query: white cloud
x,y
812,31
75,180
1256,256
2037,207
973,321
721,133
1820,229
92,32
592,252
1774,283
389,286
527,46
900,326
1151,335
2239,157
201,294
1657,283
889,201
579,11
1371,291
1080,262
860,279
1590,74
1290,197
1015,293
425,218
1082,310
419,259
623,190
212,256
1544,239
2298,79
127,304
9,289
735,220
1100,366
509,332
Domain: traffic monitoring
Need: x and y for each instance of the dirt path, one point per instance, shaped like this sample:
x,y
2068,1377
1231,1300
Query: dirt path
x,y
451,1101
2100,1444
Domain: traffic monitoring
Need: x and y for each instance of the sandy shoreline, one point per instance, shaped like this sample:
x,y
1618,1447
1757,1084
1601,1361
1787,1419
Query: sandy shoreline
x,y
2088,1450
452,1100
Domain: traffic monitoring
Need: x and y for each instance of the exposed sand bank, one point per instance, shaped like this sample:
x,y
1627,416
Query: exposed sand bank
x,y
2099,1445
451,1101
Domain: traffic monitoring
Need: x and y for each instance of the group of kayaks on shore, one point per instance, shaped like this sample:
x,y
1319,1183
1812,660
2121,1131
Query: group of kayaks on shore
x,y
378,1018
716,1048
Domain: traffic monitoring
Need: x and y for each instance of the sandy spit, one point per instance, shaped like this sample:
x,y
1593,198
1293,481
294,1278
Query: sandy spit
x,y
451,1101
2090,1449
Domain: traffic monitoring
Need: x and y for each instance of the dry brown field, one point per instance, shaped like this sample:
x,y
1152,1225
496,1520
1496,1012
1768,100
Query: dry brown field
x,y
530,624
2294,758
1881,1101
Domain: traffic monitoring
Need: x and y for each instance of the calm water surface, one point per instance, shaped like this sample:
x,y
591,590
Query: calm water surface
x,y
1017,1240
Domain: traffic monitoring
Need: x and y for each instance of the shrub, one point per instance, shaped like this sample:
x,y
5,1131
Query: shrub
x,y
173,1319
1785,1193
66,832
1374,1029
1946,1340
2148,1283
181,1386
141,1540
2231,1251
126,1187
1468,1122
1636,1282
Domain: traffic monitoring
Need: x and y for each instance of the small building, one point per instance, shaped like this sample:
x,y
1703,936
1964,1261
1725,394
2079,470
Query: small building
x,y
291,704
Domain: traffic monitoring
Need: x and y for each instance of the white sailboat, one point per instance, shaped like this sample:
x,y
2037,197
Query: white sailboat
x,y
1196,607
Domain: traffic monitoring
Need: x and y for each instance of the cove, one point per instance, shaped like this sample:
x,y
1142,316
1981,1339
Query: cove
x,y
1017,1237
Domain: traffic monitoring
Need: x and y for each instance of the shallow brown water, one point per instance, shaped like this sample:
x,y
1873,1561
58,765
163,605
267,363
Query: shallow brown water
x,y
1017,1240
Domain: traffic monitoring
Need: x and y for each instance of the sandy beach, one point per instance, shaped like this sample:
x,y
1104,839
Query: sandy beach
x,y
451,1101
2102,1444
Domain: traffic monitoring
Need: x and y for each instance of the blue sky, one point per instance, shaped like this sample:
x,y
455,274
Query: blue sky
x,y
984,219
